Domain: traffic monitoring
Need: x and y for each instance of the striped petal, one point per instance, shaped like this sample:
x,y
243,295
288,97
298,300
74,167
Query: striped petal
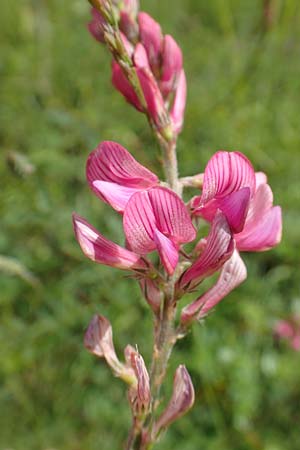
x,y
227,172
158,219
101,250
114,175
233,273
219,248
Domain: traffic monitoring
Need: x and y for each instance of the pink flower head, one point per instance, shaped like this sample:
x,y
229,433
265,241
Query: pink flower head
x,y
182,399
178,107
114,175
95,26
99,249
151,37
228,185
233,273
171,65
263,225
157,219
218,249
98,340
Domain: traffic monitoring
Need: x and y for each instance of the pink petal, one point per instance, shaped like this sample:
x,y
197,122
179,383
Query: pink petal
x,y
140,57
139,223
235,207
168,252
182,399
262,235
112,163
172,215
227,172
153,97
284,329
233,273
260,204
178,108
171,65
219,248
149,214
114,194
151,38
261,178
121,83
103,251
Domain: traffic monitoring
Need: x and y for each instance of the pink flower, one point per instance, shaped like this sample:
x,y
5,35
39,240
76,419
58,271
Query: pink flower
x,y
99,249
157,219
95,26
228,185
178,107
114,175
171,66
263,225
182,399
151,37
217,250
233,273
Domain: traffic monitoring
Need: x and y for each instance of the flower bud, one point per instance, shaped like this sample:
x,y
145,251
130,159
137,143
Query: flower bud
x,y
139,394
182,399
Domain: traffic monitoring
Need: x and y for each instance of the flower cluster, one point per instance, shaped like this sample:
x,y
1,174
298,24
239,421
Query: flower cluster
x,y
155,59
236,201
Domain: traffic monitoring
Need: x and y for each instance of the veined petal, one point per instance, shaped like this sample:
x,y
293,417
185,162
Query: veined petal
x,y
178,108
139,223
121,83
167,250
112,163
233,273
101,250
151,37
227,172
114,194
157,218
140,396
219,248
171,65
182,399
171,215
264,234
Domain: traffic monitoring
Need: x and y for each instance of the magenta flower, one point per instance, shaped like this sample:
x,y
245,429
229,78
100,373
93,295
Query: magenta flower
x,y
157,219
114,175
217,249
228,185
263,225
99,249
233,273
171,66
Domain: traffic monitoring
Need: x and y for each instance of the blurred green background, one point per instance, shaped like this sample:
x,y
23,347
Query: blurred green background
x,y
56,105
